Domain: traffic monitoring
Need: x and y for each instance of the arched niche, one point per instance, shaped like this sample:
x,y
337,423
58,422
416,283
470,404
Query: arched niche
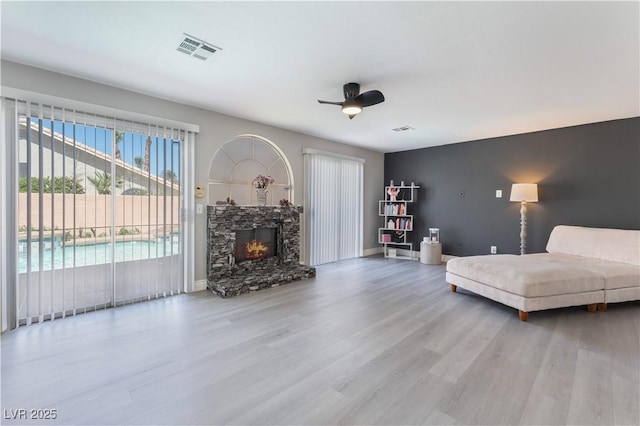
x,y
239,161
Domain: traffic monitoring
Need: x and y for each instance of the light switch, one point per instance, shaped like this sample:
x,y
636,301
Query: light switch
x,y
498,193
199,209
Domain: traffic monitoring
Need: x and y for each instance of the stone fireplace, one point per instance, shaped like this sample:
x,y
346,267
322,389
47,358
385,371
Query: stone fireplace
x,y
253,247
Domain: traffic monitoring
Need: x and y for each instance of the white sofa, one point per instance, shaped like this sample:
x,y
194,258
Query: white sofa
x,y
582,266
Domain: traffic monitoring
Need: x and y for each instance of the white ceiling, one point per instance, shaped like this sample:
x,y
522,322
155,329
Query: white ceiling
x,y
454,71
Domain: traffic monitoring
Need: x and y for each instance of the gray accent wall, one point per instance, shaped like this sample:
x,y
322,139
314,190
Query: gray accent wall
x,y
587,175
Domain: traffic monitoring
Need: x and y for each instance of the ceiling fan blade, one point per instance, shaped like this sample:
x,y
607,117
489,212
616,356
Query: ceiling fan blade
x,y
372,97
329,102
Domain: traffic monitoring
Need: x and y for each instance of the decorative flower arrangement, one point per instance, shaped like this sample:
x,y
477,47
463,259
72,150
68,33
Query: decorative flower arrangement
x,y
261,182
285,203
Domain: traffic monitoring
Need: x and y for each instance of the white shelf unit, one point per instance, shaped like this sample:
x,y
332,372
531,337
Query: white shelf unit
x,y
396,213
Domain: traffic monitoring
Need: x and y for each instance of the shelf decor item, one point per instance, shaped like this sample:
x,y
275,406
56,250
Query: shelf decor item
x,y
260,183
434,235
393,193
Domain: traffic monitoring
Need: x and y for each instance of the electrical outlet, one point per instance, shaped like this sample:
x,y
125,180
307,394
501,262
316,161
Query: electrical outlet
x,y
498,193
494,249
459,245
199,209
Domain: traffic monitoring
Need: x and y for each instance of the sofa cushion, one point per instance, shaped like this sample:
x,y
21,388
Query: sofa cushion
x,y
615,274
617,245
529,275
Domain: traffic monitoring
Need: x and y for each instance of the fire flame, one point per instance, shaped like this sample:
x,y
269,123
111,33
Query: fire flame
x,y
255,250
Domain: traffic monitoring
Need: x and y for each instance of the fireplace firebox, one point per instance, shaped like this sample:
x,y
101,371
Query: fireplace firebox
x,y
255,244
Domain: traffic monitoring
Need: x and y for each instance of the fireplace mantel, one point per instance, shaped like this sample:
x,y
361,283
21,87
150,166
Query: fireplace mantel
x,y
227,278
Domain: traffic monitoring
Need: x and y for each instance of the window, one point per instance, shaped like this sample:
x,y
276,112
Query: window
x,y
333,206
238,162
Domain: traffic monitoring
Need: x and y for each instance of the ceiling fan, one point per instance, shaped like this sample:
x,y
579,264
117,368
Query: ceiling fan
x,y
354,101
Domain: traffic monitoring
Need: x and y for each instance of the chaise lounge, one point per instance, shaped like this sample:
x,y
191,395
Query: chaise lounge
x,y
582,266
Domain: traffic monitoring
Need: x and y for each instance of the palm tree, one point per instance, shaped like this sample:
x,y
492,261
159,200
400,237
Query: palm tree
x,y
139,162
102,182
169,175
118,136
147,154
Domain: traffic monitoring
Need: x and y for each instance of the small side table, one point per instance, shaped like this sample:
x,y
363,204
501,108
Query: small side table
x,y
430,253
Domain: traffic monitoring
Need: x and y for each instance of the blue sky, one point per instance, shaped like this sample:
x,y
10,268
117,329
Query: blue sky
x,y
165,155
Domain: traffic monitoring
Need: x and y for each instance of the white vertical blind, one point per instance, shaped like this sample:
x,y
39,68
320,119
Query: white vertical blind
x,y
98,216
333,207
8,231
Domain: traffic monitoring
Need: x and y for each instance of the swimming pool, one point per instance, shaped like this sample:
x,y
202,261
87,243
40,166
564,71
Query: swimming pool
x,y
57,256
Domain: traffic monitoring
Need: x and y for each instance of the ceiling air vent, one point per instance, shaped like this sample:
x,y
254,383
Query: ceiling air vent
x,y
196,48
403,129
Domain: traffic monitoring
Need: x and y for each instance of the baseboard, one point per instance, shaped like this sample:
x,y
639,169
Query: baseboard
x,y
200,285
380,250
408,253
401,252
373,251
416,255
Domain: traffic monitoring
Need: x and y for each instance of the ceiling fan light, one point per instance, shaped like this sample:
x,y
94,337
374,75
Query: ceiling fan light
x,y
351,107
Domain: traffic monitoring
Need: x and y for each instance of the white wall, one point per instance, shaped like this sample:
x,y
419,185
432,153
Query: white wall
x,y
215,130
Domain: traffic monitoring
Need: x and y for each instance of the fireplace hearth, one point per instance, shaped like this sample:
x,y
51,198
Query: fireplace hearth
x,y
253,247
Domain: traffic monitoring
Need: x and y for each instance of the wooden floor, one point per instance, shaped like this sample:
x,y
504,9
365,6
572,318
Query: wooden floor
x,y
369,341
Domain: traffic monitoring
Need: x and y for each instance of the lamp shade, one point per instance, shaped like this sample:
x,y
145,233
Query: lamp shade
x,y
524,192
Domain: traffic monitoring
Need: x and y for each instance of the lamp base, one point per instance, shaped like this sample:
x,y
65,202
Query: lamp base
x,y
523,227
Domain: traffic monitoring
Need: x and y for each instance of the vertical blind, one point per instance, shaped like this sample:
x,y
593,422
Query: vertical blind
x,y
334,207
98,211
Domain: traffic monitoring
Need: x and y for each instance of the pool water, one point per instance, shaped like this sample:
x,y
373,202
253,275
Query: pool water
x,y
57,256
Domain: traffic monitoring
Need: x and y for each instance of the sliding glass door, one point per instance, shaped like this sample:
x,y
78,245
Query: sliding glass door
x,y
147,225
98,212
333,206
